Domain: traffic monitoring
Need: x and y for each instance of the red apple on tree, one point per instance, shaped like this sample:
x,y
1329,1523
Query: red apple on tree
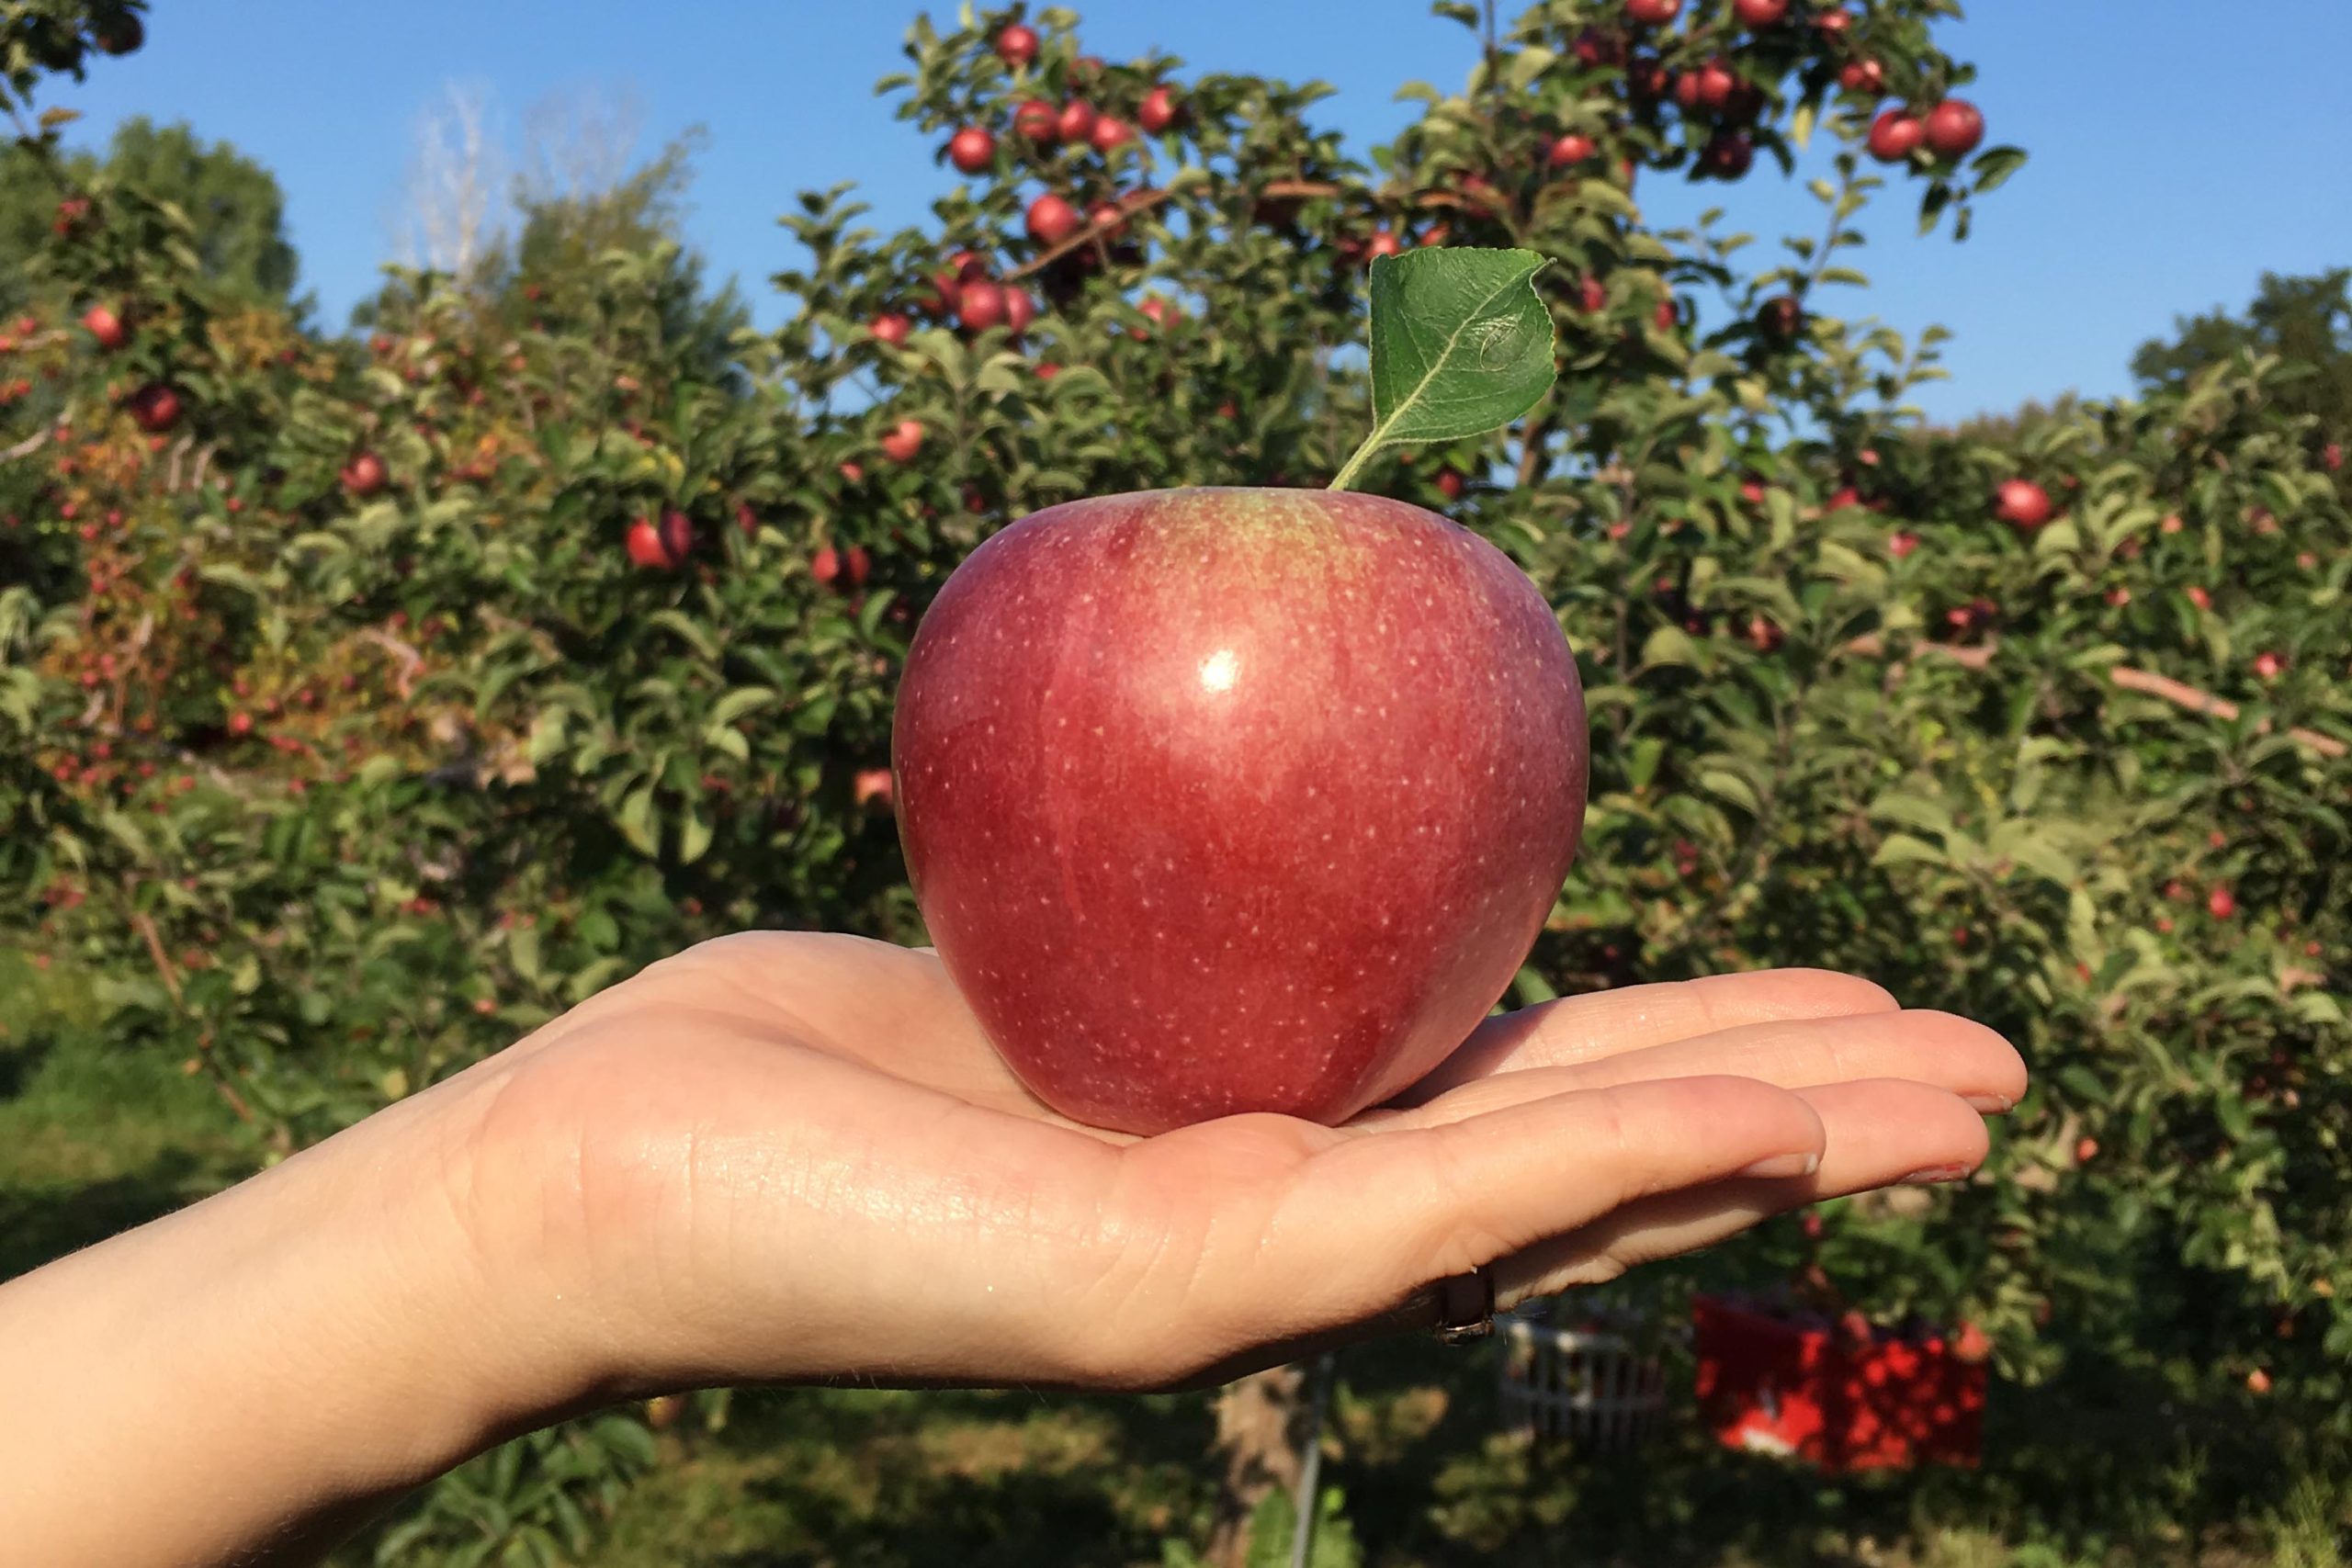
x,y
1017,45
1895,134
1571,150
2022,502
1953,128
122,33
1020,310
972,149
1159,110
870,789
1781,319
1728,155
1076,121
661,546
154,408
364,474
1652,13
1110,133
1052,219
979,305
1384,242
106,326
890,327
1865,76
1036,120
1119,770
903,441
1760,14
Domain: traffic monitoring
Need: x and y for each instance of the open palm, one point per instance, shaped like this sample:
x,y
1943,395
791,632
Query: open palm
x,y
795,1157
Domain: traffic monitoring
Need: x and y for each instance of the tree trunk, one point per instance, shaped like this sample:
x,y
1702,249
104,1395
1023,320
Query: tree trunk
x,y
1260,1423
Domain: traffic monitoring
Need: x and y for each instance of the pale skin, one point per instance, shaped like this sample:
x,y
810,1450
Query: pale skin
x,y
793,1159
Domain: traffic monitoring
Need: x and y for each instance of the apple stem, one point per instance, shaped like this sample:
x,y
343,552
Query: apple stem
x,y
1346,477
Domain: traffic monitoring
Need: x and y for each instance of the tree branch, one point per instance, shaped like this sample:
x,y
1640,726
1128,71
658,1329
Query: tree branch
x,y
2181,694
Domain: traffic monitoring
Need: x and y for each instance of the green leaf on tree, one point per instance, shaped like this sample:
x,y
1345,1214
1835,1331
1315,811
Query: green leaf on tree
x,y
1461,345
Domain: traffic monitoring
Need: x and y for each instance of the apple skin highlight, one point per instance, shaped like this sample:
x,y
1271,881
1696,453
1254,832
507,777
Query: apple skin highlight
x,y
1220,801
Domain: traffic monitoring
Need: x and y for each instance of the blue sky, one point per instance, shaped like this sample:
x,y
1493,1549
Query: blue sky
x,y
2180,148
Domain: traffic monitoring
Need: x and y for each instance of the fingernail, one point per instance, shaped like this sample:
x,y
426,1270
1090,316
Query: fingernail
x,y
1934,1174
1781,1166
1991,1104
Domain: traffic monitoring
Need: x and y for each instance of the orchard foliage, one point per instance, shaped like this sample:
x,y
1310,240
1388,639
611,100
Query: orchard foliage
x,y
366,701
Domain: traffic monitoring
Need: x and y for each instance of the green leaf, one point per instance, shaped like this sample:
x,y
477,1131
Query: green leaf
x,y
1461,345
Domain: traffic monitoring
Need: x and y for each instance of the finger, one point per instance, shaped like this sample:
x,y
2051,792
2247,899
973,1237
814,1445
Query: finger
x,y
1363,1226
1882,1133
1608,1023
1942,1050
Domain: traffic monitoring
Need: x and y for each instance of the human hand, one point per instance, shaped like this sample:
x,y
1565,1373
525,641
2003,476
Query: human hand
x,y
791,1157
794,1158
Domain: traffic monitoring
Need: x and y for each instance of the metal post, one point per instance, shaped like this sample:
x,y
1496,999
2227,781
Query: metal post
x,y
1310,1466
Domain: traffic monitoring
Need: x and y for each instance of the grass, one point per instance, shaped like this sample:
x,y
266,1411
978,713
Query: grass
x,y
92,1140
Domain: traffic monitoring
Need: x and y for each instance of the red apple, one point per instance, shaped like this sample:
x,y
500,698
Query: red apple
x,y
1020,310
364,474
1384,242
1782,318
890,327
2022,503
1954,128
1652,13
1895,134
1834,22
1111,133
979,305
2221,904
871,790
1570,150
1161,311
1595,47
1036,120
106,326
972,149
1900,544
1017,45
118,34
1712,85
1053,220
1760,14
1229,800
1159,110
2200,597
1667,316
1728,155
903,441
1866,77
154,408
2268,666
647,547
1450,484
1075,122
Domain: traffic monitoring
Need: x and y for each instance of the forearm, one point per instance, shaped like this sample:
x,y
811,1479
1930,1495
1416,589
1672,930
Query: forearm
x,y
247,1379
